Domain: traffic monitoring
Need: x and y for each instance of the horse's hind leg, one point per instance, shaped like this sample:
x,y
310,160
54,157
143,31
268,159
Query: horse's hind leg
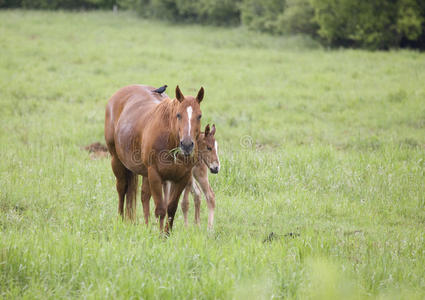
x,y
121,175
130,203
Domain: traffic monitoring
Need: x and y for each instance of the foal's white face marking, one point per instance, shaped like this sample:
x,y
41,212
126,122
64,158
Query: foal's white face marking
x,y
216,151
217,163
189,117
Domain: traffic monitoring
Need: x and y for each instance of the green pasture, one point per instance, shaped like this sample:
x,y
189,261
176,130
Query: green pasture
x,y
321,194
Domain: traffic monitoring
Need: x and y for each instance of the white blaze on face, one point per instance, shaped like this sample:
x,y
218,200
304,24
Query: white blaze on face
x,y
189,117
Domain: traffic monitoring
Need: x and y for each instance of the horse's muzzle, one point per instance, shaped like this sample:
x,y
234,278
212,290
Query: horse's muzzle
x,y
187,147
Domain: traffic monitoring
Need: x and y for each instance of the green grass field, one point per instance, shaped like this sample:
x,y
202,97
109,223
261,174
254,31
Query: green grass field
x,y
324,148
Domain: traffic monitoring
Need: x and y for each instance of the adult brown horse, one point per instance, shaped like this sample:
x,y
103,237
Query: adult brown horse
x,y
142,128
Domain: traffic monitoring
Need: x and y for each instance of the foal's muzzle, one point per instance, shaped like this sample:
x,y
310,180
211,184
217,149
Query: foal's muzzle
x,y
187,147
214,167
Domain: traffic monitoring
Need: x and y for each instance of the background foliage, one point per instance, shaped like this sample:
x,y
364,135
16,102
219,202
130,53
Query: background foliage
x,y
58,4
380,24
372,24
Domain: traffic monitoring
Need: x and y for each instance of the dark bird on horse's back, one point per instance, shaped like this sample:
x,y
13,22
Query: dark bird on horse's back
x,y
160,90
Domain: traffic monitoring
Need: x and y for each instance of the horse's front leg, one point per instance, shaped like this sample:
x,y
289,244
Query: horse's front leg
x,y
166,187
146,197
176,190
155,185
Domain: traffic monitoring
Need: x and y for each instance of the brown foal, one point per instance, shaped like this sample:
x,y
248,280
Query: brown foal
x,y
207,159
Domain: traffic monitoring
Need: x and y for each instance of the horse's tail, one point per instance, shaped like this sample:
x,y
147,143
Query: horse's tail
x,y
131,203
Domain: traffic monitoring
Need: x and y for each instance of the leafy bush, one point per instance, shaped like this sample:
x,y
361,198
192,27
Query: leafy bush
x,y
10,3
262,15
279,17
57,4
219,12
298,17
379,24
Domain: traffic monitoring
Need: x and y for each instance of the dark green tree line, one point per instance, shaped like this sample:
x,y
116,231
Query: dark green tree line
x,y
377,24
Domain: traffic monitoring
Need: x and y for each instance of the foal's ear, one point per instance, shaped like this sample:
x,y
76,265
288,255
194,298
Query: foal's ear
x,y
213,129
200,95
179,94
207,129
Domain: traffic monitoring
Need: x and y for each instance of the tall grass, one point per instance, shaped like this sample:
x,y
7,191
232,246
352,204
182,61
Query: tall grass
x,y
321,191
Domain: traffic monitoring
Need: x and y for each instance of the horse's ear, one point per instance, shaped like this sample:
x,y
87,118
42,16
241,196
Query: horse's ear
x,y
179,94
213,129
200,95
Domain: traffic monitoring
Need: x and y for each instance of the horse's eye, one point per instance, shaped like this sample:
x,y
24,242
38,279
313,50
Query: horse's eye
x,y
179,116
199,117
209,148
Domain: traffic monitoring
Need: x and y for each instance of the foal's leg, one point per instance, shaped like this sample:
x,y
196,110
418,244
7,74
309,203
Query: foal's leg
x,y
121,173
210,197
202,178
196,192
155,184
185,201
130,204
146,197
176,190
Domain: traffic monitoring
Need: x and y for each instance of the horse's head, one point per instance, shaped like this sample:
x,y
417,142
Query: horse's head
x,y
188,117
208,148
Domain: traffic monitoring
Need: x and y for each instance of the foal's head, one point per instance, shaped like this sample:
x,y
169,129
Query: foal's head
x,y
208,149
188,117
